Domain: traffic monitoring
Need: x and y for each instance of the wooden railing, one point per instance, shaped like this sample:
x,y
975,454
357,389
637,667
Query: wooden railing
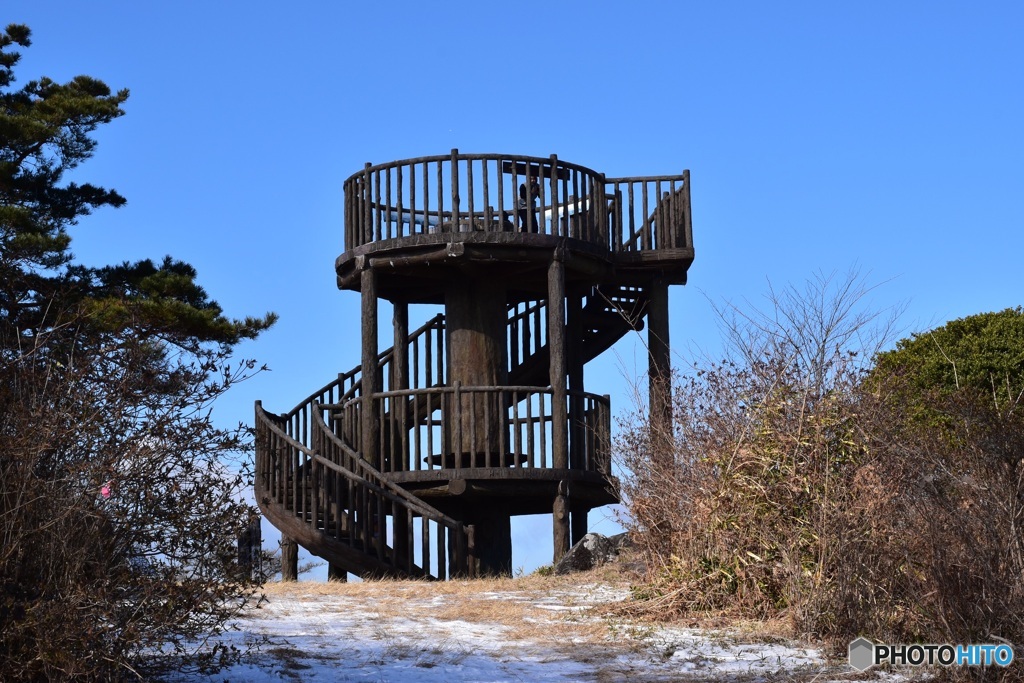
x,y
410,517
426,366
460,427
481,193
527,331
650,212
333,490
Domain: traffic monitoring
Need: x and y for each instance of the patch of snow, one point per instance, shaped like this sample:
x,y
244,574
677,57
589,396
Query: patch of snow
x,y
317,638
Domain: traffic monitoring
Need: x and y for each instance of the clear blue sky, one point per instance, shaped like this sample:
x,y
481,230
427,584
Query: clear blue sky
x,y
819,136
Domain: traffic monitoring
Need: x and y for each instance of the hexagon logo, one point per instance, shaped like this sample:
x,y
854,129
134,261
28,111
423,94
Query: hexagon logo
x,y
862,654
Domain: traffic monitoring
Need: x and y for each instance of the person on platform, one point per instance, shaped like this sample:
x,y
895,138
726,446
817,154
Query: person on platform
x,y
526,207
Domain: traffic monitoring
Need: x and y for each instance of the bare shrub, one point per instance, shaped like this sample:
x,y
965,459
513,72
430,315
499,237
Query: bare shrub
x,y
120,504
803,483
762,440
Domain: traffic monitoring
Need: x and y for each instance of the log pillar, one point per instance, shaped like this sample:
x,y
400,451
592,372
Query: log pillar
x,y
289,559
400,380
476,316
369,423
578,523
400,358
336,573
578,457
559,416
560,514
660,363
492,538
399,423
557,364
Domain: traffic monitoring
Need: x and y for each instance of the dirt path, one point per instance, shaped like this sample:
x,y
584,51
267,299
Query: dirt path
x,y
533,629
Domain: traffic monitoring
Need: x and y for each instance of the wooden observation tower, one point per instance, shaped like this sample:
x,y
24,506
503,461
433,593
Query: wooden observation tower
x,y
414,462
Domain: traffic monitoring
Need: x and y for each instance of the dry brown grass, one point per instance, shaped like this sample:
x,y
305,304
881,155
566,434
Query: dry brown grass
x,y
556,619
523,606
386,590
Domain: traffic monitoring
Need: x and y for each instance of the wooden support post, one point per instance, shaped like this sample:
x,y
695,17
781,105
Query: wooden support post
x,y
560,515
476,319
250,549
660,370
336,573
399,424
400,361
579,523
289,559
370,379
578,457
492,539
400,538
472,559
556,368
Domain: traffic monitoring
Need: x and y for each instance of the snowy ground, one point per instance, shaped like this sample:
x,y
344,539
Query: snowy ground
x,y
528,630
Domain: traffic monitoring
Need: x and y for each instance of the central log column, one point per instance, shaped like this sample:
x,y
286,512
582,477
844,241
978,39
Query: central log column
x,y
476,317
559,417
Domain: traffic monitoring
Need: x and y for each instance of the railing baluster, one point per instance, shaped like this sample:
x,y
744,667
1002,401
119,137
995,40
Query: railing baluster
x,y
385,232
520,223
412,201
440,196
469,190
430,431
632,217
556,229
488,209
399,222
529,431
473,451
502,217
456,218
426,197
375,233
516,445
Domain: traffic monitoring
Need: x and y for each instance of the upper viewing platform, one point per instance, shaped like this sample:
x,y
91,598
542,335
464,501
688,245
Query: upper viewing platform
x,y
424,217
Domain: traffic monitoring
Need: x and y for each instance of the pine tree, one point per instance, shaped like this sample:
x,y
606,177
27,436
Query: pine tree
x,y
119,495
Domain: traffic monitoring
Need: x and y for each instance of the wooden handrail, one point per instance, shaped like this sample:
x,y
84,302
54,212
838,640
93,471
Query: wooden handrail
x,y
394,491
653,212
480,192
472,192
499,420
306,476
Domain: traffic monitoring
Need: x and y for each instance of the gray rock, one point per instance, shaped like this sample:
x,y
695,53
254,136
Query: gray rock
x,y
593,550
